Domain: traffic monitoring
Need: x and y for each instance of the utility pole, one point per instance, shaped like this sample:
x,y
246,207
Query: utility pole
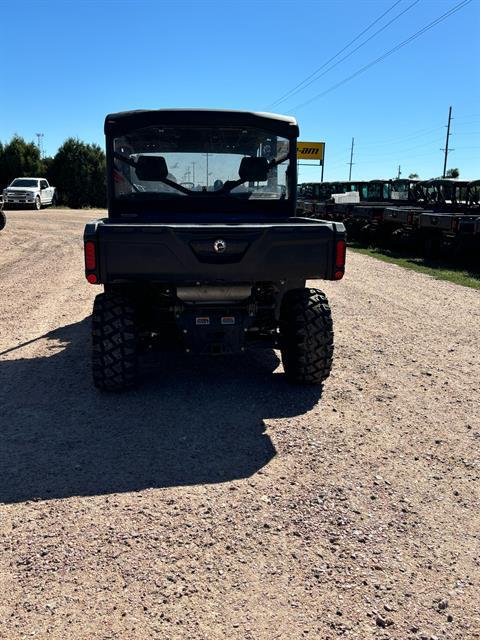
x,y
193,169
40,145
399,172
351,160
446,143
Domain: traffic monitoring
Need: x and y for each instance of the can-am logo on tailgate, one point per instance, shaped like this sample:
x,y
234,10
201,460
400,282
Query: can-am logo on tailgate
x,y
219,246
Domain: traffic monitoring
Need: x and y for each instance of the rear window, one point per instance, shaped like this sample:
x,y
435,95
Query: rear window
x,y
200,161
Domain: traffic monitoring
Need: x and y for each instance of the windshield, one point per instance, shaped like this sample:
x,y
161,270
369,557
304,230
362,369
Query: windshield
x,y
400,191
375,191
446,193
24,182
317,191
194,162
474,194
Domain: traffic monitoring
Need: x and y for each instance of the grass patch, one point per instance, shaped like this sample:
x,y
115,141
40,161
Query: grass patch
x,y
438,270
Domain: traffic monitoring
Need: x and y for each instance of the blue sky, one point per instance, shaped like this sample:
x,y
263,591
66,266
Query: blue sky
x,y
65,65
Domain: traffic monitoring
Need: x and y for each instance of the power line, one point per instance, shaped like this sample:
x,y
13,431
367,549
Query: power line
x,y
382,154
417,155
336,55
471,115
412,136
375,147
417,34
307,82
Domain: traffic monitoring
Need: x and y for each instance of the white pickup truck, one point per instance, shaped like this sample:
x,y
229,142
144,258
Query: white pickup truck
x,y
34,192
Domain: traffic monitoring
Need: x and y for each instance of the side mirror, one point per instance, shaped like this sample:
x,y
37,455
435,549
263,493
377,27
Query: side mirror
x,y
253,169
151,168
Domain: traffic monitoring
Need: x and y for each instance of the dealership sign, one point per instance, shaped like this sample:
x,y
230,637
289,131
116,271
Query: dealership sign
x,y
311,151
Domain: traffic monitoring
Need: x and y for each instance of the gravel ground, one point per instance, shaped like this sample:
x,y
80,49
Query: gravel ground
x,y
216,501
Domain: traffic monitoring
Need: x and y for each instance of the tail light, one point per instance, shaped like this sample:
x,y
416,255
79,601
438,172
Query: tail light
x,y
410,218
455,225
90,257
340,255
91,261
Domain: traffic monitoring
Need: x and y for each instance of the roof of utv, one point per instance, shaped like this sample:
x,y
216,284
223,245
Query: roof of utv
x,y
118,123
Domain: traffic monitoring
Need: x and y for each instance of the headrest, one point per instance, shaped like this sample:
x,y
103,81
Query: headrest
x,y
151,168
253,169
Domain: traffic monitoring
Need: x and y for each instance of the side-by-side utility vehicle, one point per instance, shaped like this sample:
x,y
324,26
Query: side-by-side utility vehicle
x,y
202,250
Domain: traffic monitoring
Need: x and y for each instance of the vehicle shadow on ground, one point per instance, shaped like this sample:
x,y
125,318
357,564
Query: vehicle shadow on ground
x,y
191,420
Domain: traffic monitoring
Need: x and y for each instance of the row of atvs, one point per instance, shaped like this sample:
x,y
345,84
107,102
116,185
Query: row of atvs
x,y
438,218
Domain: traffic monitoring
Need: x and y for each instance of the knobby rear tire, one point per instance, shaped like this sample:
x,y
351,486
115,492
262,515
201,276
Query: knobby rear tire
x,y
3,220
114,343
306,336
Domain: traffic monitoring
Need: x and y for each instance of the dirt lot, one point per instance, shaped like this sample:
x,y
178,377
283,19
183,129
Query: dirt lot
x,y
216,501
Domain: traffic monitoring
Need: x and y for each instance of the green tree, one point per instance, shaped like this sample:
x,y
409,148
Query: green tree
x,y
453,173
19,158
47,163
413,176
78,173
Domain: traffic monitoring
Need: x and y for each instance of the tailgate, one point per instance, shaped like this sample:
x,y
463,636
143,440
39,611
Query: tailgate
x,y
401,215
213,252
433,220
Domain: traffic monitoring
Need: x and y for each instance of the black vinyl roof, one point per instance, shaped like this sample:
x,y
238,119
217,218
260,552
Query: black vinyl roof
x,y
118,123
